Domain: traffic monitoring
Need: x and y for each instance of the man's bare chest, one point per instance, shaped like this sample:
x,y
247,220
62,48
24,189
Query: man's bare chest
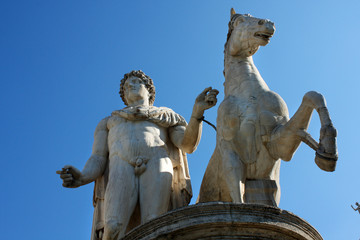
x,y
123,129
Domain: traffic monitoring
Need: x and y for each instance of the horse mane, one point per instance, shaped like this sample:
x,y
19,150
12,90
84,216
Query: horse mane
x,y
231,25
230,29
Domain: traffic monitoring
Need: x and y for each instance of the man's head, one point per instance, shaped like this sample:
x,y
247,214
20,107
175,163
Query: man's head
x,y
148,82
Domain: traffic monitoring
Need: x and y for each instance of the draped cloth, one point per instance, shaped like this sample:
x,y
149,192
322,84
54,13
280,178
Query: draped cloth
x,y
181,191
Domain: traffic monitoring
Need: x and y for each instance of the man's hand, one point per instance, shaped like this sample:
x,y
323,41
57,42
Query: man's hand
x,y
204,101
71,176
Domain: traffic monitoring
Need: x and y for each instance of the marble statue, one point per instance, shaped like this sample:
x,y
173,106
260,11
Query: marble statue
x,y
253,127
358,207
138,160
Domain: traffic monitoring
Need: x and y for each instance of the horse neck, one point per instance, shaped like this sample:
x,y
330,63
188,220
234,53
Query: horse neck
x,y
242,77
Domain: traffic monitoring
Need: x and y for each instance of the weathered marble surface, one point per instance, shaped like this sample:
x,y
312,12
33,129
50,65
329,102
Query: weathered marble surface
x,y
138,159
220,220
253,127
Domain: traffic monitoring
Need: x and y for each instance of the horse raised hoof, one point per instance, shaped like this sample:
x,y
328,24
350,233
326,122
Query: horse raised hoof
x,y
326,156
326,163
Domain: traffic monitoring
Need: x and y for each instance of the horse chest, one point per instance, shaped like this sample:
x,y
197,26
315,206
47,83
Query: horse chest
x,y
235,112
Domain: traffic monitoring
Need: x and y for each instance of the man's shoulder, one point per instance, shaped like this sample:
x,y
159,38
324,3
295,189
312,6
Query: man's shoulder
x,y
167,117
104,120
162,116
164,109
102,125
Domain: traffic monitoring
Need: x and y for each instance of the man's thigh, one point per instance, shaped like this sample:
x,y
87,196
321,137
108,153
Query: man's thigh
x,y
155,188
122,190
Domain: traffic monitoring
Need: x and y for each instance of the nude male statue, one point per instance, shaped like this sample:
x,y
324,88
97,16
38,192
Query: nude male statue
x,y
138,160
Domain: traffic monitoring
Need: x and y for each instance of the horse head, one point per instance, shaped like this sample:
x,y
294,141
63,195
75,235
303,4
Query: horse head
x,y
246,34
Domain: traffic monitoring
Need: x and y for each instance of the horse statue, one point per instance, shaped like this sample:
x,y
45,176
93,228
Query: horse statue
x,y
253,127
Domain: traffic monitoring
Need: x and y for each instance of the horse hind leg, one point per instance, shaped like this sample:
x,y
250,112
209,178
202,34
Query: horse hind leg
x,y
234,173
210,189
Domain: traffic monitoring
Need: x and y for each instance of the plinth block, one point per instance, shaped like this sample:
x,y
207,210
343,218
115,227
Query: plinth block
x,y
221,220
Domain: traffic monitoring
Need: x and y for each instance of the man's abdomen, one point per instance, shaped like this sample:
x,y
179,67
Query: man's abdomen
x,y
137,141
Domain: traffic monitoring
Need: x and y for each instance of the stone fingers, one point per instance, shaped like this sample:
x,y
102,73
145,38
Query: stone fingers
x,y
67,177
206,90
210,98
68,185
72,170
203,94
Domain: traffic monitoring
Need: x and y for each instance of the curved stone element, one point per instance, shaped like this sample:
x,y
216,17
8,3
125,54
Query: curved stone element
x,y
223,220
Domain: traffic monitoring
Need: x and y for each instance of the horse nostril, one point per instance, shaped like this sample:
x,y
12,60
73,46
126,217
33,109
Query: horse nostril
x,y
261,22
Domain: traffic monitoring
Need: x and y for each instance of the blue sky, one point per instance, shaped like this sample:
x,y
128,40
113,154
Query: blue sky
x,y
61,63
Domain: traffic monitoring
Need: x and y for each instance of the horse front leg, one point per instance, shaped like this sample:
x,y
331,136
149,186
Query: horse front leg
x,y
285,139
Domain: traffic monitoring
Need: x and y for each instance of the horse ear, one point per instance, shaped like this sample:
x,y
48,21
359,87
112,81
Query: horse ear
x,y
232,12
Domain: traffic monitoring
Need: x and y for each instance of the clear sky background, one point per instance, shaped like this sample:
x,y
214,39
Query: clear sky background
x,y
60,67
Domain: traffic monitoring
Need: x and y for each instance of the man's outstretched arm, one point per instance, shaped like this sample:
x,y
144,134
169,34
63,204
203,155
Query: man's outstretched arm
x,y
96,164
187,138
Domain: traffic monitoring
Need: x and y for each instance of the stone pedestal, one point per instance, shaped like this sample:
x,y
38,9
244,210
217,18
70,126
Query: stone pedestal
x,y
261,191
219,220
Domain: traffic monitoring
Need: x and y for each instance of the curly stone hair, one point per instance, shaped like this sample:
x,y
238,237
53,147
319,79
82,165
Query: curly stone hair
x,y
149,84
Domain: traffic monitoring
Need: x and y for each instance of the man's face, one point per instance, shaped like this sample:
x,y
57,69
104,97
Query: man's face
x,y
135,90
